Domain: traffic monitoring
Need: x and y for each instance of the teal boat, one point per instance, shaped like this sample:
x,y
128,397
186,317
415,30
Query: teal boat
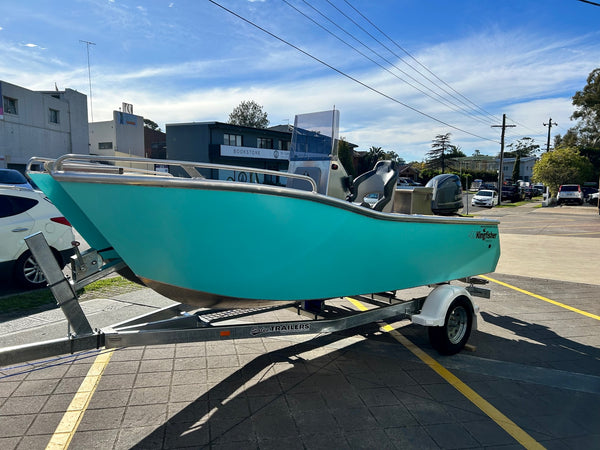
x,y
218,243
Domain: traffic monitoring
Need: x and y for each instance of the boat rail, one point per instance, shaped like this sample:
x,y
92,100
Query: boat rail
x,y
84,163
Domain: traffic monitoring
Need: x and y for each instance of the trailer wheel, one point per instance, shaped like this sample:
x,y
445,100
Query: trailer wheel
x,y
451,338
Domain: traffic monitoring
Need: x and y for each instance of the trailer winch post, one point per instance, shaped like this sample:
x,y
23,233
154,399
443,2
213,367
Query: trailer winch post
x,y
62,290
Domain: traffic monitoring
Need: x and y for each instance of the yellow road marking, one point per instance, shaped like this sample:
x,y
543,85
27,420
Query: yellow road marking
x,y
504,422
72,418
539,297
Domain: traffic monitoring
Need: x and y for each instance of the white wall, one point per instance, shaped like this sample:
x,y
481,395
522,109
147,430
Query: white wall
x,y
129,131
30,133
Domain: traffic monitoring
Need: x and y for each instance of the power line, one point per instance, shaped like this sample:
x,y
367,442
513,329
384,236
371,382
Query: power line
x,y
441,100
419,63
591,3
524,126
456,107
345,74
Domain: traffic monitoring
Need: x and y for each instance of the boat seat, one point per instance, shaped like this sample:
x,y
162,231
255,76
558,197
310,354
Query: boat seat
x,y
380,180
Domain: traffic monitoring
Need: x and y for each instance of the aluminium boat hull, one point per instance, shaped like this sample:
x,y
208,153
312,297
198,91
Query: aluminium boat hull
x,y
55,192
218,243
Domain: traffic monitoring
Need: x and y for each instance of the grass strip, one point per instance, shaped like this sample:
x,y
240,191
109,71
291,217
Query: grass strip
x,y
42,297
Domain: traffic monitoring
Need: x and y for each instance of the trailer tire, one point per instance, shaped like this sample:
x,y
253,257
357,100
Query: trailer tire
x,y
451,338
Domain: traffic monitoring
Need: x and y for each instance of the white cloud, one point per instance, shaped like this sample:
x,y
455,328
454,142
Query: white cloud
x,y
525,76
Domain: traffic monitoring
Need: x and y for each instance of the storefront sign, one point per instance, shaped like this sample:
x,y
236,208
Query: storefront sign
x,y
252,152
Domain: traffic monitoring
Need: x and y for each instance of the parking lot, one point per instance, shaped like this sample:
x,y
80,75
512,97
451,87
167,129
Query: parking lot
x,y
530,376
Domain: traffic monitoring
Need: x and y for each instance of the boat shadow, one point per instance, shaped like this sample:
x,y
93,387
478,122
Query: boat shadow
x,y
353,390
302,388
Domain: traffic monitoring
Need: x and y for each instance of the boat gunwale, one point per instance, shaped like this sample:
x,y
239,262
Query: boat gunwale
x,y
254,188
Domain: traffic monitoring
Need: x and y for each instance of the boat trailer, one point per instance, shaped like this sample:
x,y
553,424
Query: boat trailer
x,y
448,311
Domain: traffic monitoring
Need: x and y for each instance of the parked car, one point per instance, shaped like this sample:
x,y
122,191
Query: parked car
x,y
530,192
486,198
593,199
405,182
372,198
488,186
511,193
569,193
24,212
13,177
587,191
476,184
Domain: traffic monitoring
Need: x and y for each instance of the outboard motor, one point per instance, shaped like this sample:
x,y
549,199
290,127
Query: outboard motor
x,y
447,194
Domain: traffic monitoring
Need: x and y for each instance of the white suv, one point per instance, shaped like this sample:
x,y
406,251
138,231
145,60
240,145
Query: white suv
x,y
24,212
569,193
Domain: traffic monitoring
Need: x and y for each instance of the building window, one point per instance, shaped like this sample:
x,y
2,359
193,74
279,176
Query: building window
x,y
10,105
232,139
105,146
265,143
53,116
284,145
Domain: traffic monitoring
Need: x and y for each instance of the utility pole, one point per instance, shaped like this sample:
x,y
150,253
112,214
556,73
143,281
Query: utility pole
x,y
549,125
500,178
88,43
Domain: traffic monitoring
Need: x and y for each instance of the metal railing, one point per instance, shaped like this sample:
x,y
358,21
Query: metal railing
x,y
74,162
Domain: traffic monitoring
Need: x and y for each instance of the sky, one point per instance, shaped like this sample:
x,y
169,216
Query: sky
x,y
400,72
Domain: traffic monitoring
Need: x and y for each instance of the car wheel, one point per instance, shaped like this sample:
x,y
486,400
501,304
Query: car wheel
x,y
27,272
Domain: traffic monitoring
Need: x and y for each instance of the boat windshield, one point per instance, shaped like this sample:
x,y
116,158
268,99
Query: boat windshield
x,y
315,136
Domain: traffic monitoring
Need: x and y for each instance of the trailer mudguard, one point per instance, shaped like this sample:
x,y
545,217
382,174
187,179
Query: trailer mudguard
x,y
433,312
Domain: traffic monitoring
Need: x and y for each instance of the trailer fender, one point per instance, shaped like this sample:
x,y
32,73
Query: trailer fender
x,y
433,312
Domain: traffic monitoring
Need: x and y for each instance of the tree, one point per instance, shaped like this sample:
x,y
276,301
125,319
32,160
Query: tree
x,y
454,151
393,156
373,155
523,147
345,154
516,169
249,114
562,166
151,124
587,101
436,157
586,134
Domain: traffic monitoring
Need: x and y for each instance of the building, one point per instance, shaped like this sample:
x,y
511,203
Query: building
x,y
40,123
478,163
486,163
155,144
121,136
525,168
223,143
